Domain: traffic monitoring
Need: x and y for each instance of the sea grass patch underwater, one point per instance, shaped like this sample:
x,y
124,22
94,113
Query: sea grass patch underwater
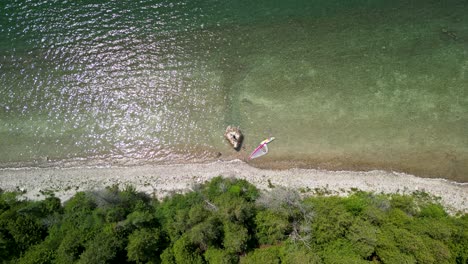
x,y
227,220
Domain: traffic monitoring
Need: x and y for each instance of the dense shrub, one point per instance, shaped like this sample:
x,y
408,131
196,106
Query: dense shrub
x,y
270,254
145,245
230,221
219,256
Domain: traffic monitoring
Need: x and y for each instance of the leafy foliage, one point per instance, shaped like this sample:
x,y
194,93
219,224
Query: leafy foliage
x,y
145,245
263,255
229,221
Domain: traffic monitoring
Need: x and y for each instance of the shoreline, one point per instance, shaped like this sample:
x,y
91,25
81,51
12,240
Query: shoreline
x,y
161,180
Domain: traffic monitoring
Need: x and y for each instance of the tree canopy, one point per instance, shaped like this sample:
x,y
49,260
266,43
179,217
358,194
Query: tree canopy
x,y
228,220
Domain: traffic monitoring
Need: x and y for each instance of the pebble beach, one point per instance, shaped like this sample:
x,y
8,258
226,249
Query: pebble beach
x,y
162,180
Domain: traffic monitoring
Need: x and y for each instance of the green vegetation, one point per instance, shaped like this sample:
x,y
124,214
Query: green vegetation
x,y
230,221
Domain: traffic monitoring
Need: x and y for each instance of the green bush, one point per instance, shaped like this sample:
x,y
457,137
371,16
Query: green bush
x,y
80,203
236,237
26,231
263,255
145,245
433,211
363,238
235,209
230,186
205,234
225,221
405,203
331,220
398,218
38,254
141,219
71,246
173,213
271,227
459,239
187,252
197,214
341,251
294,254
356,203
219,256
167,256
104,248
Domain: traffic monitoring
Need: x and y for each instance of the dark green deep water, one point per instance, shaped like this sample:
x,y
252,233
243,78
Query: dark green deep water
x,y
341,84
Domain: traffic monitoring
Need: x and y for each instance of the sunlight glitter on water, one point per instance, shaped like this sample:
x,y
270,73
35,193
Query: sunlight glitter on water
x,y
104,85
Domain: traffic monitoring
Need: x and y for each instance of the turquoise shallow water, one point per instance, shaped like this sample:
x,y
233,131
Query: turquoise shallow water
x,y
340,84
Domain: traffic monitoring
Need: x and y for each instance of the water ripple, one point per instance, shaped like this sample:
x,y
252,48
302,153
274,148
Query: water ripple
x,y
103,80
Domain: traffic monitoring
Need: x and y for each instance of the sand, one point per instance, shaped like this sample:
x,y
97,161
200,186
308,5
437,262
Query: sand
x,y
161,180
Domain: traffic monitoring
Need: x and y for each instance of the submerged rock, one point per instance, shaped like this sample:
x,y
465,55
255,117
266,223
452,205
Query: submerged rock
x,y
234,136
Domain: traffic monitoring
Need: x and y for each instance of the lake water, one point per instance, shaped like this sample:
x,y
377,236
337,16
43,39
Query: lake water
x,y
354,85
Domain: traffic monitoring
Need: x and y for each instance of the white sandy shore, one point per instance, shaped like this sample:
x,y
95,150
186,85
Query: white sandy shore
x,y
161,180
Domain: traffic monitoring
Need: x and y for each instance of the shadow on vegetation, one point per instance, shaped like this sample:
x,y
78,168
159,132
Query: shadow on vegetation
x,y
228,220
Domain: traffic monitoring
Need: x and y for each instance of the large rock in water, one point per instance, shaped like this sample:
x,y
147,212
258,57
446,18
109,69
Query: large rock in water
x,y
234,136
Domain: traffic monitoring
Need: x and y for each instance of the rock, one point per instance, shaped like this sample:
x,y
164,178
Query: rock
x,y
234,136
